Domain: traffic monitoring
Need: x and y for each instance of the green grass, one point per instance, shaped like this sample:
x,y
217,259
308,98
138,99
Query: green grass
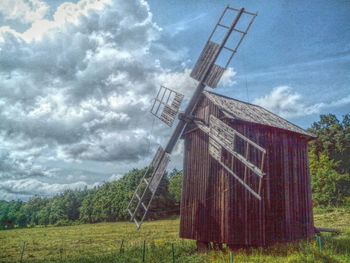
x,y
101,243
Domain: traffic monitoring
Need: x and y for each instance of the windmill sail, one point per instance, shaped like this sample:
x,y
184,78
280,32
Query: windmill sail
x,y
222,136
166,105
145,191
208,71
209,61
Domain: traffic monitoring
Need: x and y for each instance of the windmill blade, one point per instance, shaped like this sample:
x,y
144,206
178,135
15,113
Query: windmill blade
x,y
215,149
226,137
166,105
222,136
207,73
212,63
147,188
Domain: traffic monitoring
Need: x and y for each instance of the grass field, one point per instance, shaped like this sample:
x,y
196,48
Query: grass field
x,y
102,243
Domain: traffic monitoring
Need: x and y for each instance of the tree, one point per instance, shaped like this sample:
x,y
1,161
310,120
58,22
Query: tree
x,y
329,159
333,139
57,210
72,202
175,185
86,208
325,181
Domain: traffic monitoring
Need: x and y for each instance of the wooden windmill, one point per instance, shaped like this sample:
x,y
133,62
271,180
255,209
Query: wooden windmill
x,y
246,179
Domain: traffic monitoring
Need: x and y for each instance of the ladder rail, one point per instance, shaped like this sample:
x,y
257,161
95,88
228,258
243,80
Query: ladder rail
x,y
137,188
157,158
149,185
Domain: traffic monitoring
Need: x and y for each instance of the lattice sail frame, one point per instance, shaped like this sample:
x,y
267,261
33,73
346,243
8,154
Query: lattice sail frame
x,y
166,105
209,59
147,188
222,136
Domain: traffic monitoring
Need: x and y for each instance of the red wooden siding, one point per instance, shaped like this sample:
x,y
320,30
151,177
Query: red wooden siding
x,y
216,208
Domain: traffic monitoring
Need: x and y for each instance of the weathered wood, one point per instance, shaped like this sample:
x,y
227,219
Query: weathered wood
x,y
166,105
328,230
205,61
145,191
158,174
215,207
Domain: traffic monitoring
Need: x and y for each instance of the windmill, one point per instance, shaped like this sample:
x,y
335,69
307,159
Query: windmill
x,y
208,71
246,176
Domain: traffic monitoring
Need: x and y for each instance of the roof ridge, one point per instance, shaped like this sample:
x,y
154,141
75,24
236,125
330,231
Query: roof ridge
x,y
296,129
229,98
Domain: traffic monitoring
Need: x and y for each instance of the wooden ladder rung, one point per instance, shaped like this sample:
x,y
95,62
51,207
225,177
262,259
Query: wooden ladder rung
x,y
230,49
131,214
138,197
240,31
223,26
137,224
144,206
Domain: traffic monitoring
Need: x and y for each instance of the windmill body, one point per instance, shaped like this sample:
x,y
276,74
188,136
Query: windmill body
x,y
216,207
246,178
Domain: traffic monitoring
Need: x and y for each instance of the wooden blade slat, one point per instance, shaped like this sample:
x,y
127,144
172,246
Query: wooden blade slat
x,y
166,105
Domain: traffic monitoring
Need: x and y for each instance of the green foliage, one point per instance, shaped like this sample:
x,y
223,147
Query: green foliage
x,y
325,181
106,203
64,222
175,185
333,139
329,160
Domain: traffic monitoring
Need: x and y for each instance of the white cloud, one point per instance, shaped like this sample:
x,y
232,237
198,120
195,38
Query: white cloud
x,y
178,81
77,88
178,27
25,11
227,78
29,187
287,103
114,177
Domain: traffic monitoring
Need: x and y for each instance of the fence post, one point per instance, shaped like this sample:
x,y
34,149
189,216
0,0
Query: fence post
x,y
121,249
61,253
319,242
173,250
22,251
231,257
144,251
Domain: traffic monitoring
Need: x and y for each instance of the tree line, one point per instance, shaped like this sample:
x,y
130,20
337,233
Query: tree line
x,y
105,203
329,167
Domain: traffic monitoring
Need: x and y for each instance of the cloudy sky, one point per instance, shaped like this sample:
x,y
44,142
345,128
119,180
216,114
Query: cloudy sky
x,y
77,79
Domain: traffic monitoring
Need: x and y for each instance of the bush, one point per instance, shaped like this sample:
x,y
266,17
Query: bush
x,y
64,222
327,184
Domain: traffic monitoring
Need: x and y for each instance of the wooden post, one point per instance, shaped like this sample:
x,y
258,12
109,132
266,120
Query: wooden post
x,y
144,251
173,250
121,249
231,257
319,242
61,252
22,251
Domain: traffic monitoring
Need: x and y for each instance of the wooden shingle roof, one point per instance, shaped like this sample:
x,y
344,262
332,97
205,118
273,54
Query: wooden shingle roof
x,y
244,111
